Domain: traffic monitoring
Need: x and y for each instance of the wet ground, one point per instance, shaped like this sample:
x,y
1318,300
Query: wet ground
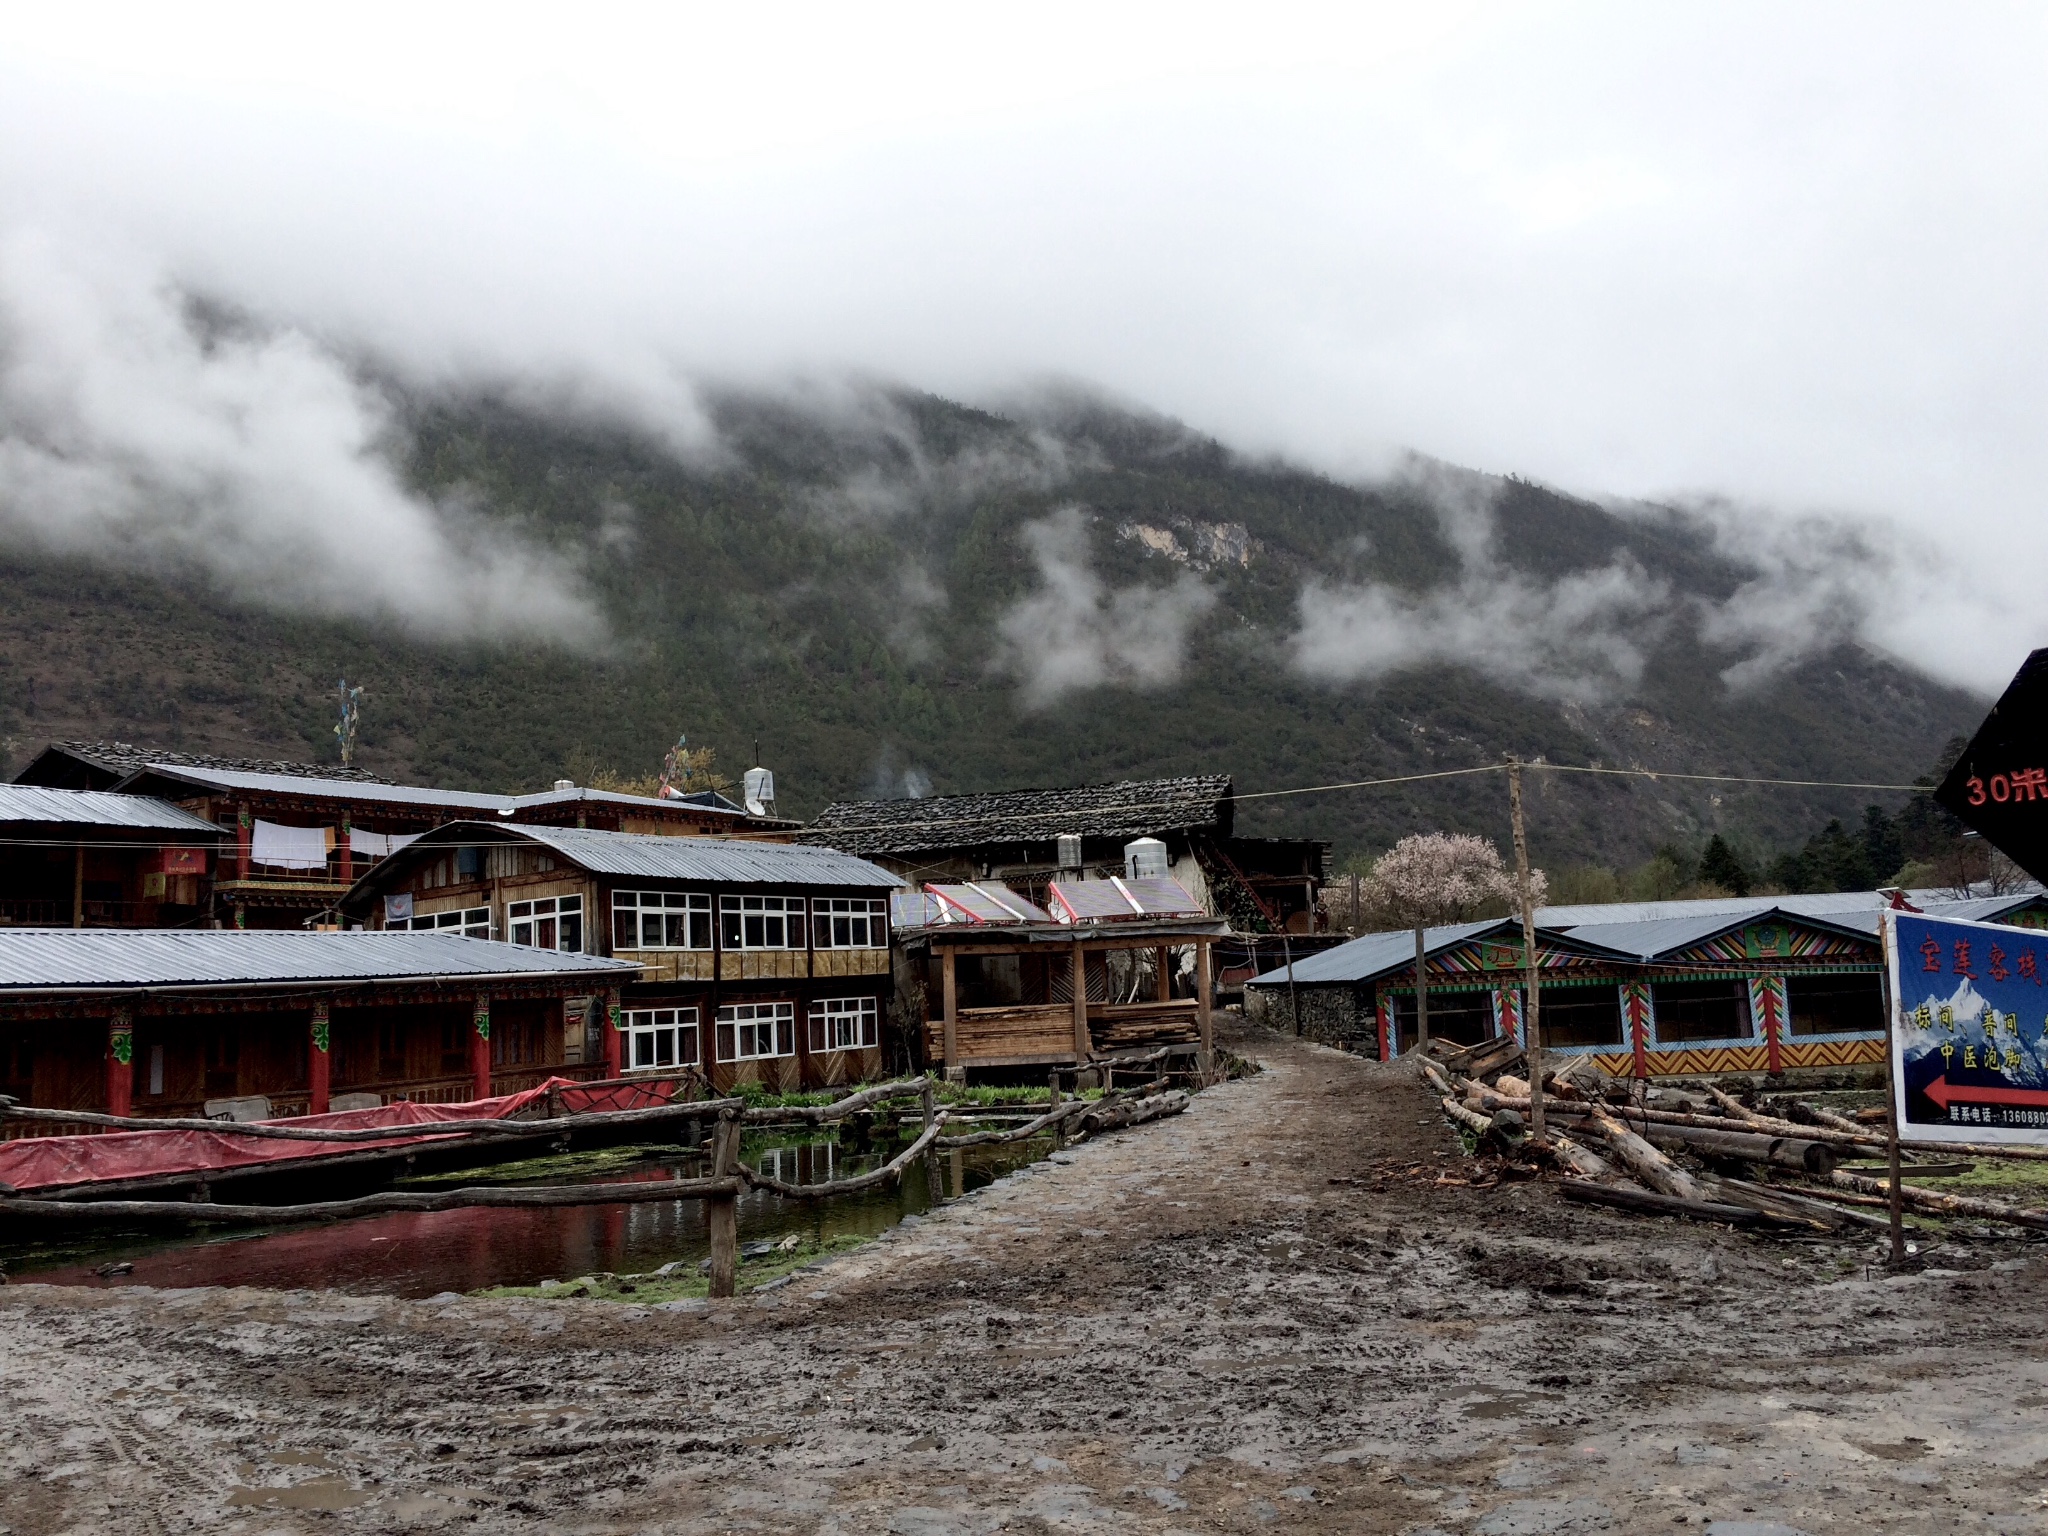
x,y
1266,1314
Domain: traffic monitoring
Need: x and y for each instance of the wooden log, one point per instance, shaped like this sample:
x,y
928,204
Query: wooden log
x,y
1629,1197
1459,1115
933,1188
1810,1157
823,1113
1644,1160
886,1173
1059,1125
1936,1203
1579,1160
1736,1107
1819,1208
722,1212
1054,1120
638,1192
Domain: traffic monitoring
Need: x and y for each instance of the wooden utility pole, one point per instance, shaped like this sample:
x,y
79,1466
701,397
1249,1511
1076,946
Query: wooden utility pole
x,y
1532,1035
722,1211
1896,1200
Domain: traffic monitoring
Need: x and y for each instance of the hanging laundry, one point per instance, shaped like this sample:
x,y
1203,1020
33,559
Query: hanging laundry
x,y
377,845
303,848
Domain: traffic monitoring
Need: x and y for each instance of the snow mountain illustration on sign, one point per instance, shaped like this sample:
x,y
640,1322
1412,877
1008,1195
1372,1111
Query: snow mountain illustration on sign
x,y
1971,1037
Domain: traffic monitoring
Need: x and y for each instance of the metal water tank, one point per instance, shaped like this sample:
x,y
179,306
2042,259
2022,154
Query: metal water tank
x,y
1070,850
1145,859
759,792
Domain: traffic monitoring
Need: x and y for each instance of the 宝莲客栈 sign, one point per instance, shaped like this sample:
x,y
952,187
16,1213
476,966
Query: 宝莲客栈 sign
x,y
1969,1030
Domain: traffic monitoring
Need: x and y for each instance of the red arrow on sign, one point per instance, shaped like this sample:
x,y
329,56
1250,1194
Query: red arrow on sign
x,y
1943,1093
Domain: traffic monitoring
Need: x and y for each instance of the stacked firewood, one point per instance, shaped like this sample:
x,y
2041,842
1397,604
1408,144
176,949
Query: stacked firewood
x,y
1704,1154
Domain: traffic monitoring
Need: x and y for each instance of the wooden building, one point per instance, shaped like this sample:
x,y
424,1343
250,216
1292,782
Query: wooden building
x,y
761,962
1008,984
87,859
179,1022
1028,838
1762,985
301,833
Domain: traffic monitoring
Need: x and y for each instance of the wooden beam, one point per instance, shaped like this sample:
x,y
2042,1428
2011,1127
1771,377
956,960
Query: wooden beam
x,y
721,1212
1204,1023
1084,1046
948,1011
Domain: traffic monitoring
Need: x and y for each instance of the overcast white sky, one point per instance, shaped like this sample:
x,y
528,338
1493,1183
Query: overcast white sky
x,y
1788,255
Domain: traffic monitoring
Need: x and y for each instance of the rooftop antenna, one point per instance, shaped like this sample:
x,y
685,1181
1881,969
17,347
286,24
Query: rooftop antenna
x,y
345,727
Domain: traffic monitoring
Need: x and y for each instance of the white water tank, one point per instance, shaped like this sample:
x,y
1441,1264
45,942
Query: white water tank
x,y
1070,850
1145,859
759,792
563,786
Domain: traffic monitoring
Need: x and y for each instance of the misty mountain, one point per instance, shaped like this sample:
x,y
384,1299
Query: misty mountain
x,y
897,594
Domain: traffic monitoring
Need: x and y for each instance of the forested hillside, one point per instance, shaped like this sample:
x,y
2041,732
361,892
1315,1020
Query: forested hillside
x,y
900,594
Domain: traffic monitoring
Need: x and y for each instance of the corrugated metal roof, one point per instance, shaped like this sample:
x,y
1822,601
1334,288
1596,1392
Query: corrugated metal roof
x,y
98,808
650,856
59,958
1638,930
409,794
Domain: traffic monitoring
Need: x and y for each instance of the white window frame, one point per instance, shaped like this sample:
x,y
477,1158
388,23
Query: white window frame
x,y
691,910
644,1030
845,1023
742,918
471,922
743,1028
863,921
548,910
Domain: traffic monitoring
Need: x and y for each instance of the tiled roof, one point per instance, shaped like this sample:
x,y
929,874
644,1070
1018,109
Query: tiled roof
x,y
1134,808
451,800
121,758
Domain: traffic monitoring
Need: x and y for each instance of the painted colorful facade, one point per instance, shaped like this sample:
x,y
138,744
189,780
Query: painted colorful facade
x,y
1660,989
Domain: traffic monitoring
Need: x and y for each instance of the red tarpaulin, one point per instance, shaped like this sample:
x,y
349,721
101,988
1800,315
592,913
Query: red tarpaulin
x,y
46,1162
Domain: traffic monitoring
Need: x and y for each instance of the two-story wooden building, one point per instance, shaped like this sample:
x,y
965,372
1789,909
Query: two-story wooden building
x,y
300,833
761,962
86,859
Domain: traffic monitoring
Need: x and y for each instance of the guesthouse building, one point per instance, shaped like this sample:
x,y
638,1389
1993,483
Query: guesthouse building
x,y
759,962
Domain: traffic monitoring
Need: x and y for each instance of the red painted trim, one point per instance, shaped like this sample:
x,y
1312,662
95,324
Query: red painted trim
x,y
319,1065
120,1074
1639,1026
1768,994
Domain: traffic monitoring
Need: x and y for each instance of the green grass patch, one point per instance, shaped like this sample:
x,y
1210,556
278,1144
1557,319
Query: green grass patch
x,y
650,1289
558,1168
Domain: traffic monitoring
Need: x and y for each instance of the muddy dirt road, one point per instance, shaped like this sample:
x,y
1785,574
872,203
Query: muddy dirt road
x,y
1198,1325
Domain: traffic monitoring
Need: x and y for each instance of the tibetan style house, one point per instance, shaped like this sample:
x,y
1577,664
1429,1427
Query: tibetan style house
x,y
255,1025
301,833
1105,968
87,859
1027,838
759,962
1761,985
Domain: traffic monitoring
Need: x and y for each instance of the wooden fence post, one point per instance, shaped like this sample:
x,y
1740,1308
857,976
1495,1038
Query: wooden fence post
x,y
1059,1127
949,1032
1205,990
931,1158
722,1211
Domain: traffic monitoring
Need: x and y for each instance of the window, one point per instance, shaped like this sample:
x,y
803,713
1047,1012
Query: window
x,y
844,1023
1703,1010
660,920
750,1031
1465,1018
840,923
1581,1015
474,922
661,1037
1834,1005
554,922
761,922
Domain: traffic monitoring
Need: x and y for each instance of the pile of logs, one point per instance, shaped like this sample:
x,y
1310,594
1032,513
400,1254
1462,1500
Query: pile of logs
x,y
1712,1158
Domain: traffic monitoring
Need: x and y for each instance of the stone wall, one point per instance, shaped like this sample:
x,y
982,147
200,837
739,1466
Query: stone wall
x,y
1337,1014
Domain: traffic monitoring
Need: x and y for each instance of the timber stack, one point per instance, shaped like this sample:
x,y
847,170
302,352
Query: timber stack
x,y
1782,1165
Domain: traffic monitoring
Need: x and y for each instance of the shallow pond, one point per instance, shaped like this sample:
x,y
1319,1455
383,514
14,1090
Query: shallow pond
x,y
425,1253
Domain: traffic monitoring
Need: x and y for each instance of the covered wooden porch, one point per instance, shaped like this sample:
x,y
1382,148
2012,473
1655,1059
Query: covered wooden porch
x,y
1074,1005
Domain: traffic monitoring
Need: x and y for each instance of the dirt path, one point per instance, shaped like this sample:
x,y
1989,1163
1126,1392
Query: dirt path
x,y
1191,1326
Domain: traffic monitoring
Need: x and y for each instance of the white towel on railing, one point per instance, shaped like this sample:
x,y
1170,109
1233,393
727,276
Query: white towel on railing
x,y
290,847
377,845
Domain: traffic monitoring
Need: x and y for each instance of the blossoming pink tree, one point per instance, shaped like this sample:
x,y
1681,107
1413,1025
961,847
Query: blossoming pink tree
x,y
1433,878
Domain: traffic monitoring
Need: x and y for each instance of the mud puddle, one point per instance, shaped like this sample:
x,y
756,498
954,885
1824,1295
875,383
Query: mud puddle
x,y
419,1254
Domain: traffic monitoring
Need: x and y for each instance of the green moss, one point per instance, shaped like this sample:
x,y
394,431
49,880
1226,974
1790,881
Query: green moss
x,y
562,1167
651,1290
